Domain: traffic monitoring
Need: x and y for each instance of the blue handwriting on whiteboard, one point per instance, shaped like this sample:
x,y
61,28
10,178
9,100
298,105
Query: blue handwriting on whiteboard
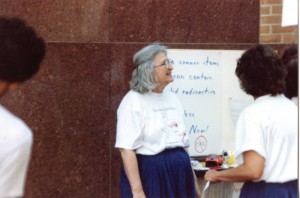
x,y
209,62
193,91
178,77
186,62
192,77
200,77
188,114
196,129
174,90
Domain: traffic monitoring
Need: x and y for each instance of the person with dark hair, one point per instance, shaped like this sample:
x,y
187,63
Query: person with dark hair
x,y
290,59
290,53
151,134
21,53
292,80
266,131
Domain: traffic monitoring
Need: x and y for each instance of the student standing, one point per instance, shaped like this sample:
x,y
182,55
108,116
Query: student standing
x,y
266,131
151,134
21,52
290,60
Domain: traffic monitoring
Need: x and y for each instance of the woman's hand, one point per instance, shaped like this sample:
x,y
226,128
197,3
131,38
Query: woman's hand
x,y
138,194
211,175
198,193
251,169
132,172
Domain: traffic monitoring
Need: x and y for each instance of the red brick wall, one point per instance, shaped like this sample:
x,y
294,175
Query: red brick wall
x,y
270,24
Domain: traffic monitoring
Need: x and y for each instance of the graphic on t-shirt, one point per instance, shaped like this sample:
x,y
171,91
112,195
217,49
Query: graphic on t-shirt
x,y
174,128
173,124
172,133
184,138
175,134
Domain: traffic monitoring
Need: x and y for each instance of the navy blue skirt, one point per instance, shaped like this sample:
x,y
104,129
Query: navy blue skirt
x,y
164,175
270,190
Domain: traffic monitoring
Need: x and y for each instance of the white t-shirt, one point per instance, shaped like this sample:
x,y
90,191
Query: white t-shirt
x,y
150,122
295,100
15,149
269,127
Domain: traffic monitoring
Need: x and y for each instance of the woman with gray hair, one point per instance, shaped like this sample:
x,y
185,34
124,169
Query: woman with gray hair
x,y
151,134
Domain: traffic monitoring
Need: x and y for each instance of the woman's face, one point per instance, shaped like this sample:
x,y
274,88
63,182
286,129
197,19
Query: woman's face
x,y
162,71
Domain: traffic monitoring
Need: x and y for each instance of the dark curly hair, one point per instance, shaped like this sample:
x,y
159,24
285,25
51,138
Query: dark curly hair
x,y
261,72
21,50
291,79
290,53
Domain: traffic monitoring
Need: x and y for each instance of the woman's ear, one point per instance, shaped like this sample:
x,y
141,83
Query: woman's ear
x,y
13,85
7,86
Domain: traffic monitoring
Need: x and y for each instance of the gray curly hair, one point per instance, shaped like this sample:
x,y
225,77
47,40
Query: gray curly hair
x,y
143,77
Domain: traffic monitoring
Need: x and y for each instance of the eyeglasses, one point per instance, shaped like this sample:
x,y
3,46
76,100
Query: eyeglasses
x,y
166,63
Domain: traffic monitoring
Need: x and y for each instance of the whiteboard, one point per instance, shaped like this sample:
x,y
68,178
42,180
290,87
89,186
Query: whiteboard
x,y
205,82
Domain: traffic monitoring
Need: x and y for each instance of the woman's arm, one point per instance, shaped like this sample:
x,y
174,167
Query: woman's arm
x,y
132,172
198,192
251,169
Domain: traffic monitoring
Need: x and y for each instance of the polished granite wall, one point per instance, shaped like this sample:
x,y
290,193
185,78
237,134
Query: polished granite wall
x,y
71,103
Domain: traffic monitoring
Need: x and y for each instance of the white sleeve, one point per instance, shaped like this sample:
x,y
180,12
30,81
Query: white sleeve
x,y
129,123
249,135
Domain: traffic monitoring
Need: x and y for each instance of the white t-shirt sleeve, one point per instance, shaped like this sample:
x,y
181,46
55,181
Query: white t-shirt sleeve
x,y
249,135
129,122
15,150
14,168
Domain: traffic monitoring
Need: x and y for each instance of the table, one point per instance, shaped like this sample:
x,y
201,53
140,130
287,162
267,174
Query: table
x,y
219,189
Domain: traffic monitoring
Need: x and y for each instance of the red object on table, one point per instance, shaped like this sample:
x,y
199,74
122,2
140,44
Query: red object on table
x,y
213,161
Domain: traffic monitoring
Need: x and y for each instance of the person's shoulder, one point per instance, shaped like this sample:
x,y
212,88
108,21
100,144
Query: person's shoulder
x,y
6,115
132,95
173,98
270,103
169,93
132,99
14,133
9,121
286,102
295,100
